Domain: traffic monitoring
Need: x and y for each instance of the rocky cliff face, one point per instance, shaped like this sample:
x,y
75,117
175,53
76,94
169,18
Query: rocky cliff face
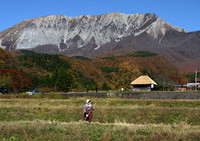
x,y
78,32
103,35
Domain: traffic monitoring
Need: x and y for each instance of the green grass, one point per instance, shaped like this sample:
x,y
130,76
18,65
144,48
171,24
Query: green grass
x,y
41,130
114,119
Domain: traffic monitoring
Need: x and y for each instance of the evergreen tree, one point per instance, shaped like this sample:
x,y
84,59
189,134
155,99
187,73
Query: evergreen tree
x,y
47,81
64,80
54,78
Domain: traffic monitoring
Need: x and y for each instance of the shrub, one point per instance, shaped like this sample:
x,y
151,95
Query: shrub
x,y
23,95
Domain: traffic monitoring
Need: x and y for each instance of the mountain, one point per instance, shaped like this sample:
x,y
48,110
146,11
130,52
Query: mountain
x,y
103,35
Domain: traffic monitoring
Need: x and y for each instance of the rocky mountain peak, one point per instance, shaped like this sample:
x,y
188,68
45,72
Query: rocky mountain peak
x,y
79,32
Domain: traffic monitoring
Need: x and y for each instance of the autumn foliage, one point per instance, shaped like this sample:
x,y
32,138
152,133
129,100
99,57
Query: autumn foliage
x,y
4,56
127,73
34,70
118,72
19,81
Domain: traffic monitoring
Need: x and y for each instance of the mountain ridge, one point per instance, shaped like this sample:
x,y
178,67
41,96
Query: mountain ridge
x,y
100,29
93,36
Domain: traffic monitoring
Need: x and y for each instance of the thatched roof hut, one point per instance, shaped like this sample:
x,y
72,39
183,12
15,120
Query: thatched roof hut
x,y
143,83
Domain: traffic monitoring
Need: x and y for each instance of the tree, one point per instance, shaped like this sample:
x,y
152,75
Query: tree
x,y
106,86
19,81
164,83
64,80
179,78
54,77
47,81
6,82
127,73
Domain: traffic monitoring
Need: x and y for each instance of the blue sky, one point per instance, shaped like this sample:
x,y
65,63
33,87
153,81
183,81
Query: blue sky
x,y
181,13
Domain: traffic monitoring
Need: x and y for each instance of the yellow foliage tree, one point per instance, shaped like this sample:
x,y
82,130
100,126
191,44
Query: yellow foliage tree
x,y
127,73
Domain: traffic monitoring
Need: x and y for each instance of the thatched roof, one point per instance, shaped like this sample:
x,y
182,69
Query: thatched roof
x,y
143,80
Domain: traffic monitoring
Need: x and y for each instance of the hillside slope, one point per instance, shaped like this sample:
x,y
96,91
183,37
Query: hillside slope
x,y
110,71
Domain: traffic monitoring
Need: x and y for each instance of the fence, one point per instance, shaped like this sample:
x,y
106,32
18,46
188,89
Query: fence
x,y
141,95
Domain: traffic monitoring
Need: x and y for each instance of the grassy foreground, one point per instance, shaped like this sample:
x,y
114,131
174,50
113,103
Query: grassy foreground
x,y
46,130
114,119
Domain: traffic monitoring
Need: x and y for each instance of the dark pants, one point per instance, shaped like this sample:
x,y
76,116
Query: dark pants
x,y
89,118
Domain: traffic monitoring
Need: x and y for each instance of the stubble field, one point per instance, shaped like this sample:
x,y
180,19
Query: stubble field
x,y
113,119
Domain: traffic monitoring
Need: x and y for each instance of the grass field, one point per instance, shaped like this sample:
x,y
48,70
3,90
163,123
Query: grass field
x,y
113,119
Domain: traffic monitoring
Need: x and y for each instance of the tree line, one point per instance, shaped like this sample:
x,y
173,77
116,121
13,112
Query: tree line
x,y
47,72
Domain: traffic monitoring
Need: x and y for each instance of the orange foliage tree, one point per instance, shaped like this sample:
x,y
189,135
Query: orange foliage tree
x,y
19,81
178,78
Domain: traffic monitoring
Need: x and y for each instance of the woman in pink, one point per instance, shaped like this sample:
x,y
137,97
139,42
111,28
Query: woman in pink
x,y
88,108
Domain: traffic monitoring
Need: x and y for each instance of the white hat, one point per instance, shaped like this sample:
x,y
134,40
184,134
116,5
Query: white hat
x,y
87,101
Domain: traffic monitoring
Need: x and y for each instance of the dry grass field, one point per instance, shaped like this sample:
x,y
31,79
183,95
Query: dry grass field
x,y
113,119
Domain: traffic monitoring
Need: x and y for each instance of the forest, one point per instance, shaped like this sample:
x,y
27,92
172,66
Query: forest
x,y
24,70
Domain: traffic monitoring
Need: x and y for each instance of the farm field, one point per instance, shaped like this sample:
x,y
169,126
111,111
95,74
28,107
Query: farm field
x,y
113,119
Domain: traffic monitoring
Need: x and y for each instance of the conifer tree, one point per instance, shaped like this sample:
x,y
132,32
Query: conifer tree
x,y
54,78
47,81
64,80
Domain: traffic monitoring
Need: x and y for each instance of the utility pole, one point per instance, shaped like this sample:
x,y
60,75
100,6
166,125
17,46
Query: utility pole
x,y
196,71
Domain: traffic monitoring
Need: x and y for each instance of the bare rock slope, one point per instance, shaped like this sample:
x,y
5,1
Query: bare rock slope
x,y
102,35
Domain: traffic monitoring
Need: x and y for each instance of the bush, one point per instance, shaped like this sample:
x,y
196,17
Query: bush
x,y
45,90
23,95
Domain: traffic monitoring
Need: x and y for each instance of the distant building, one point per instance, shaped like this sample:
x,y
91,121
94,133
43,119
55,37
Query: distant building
x,y
188,86
143,83
192,86
181,88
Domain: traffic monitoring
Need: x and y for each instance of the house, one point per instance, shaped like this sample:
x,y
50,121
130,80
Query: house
x,y
143,83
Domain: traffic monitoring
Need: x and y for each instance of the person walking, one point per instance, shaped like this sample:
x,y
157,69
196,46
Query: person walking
x,y
96,89
88,108
87,88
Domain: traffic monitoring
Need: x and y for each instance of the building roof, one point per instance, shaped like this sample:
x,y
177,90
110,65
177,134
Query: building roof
x,y
143,80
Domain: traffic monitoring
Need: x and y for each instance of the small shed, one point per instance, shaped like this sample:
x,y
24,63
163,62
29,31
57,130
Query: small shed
x,y
143,83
